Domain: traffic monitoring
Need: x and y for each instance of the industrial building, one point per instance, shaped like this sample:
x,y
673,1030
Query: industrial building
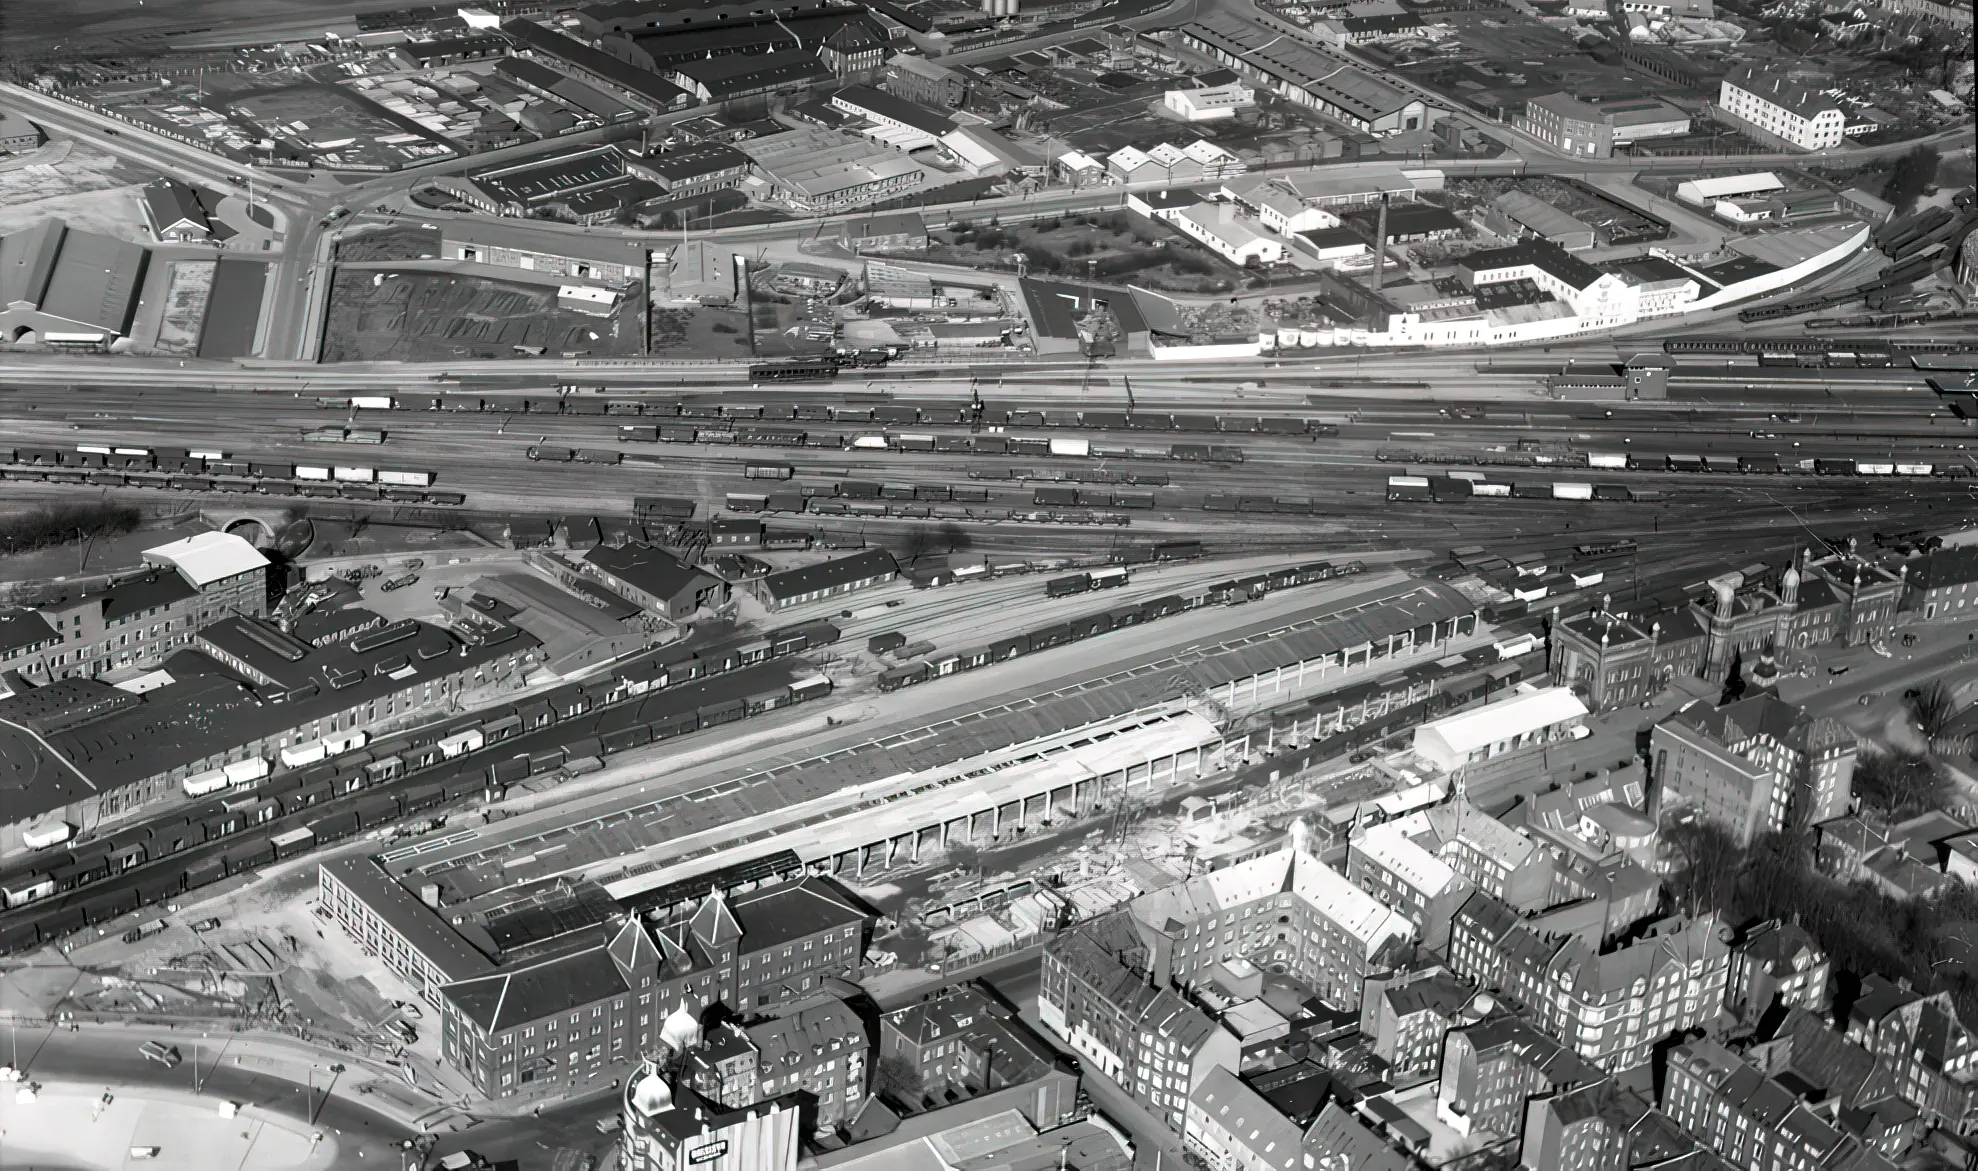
x,y
641,87
132,624
820,171
1302,73
696,169
568,253
827,579
737,76
1589,130
17,134
655,579
63,286
93,753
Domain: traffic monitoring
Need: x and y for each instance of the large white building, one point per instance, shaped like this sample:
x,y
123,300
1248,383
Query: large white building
x,y
1770,102
1531,717
1211,104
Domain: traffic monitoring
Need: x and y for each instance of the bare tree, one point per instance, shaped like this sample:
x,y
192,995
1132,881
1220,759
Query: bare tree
x,y
1935,711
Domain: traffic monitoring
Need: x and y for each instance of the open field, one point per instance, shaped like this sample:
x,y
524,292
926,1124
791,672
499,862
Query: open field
x,y
433,316
185,306
1111,246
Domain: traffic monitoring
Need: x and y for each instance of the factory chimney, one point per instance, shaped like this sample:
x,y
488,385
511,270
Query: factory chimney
x,y
1380,246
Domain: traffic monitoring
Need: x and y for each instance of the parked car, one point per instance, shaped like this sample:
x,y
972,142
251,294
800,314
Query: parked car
x,y
205,925
399,583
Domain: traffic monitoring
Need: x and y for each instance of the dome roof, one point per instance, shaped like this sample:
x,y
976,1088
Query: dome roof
x,y
649,1094
680,1031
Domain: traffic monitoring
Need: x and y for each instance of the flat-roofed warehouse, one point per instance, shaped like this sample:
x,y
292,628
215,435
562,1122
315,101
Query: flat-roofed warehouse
x,y
60,284
605,259
514,188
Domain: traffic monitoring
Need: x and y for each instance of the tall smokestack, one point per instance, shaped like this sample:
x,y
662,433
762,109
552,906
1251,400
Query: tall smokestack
x,y
1380,246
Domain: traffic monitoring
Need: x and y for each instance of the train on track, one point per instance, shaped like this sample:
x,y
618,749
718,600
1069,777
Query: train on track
x,y
372,783
1790,351
1719,464
185,470
895,442
888,413
1056,634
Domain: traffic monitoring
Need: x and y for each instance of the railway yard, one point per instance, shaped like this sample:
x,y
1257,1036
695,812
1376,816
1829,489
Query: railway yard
x,y
1102,604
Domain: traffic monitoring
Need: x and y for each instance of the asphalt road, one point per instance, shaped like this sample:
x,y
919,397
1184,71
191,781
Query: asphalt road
x,y
109,1054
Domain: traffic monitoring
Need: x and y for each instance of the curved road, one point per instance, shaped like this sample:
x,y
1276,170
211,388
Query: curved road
x,y
109,1054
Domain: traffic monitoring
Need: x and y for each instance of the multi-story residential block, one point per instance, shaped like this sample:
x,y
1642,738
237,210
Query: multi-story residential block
x,y
667,1130
1845,1082
1235,1128
1612,1007
1284,911
1776,963
1098,994
1753,766
1388,864
1491,855
1753,1121
817,1045
965,1041
1766,99
1584,1128
1491,1071
939,1039
1406,1015
133,624
1930,1053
